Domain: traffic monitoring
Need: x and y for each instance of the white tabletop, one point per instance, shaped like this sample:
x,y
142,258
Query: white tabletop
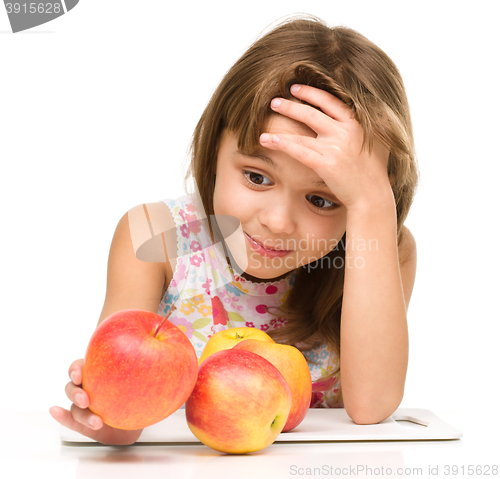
x,y
31,447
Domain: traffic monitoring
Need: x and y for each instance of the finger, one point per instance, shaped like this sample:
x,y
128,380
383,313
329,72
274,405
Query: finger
x,y
65,418
314,119
300,152
86,417
75,371
334,107
266,139
77,395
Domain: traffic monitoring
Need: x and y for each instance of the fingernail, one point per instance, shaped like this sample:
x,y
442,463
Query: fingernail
x,y
72,376
295,88
264,137
92,421
276,103
276,139
78,399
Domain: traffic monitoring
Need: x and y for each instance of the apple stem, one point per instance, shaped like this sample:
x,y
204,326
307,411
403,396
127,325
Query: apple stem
x,y
170,311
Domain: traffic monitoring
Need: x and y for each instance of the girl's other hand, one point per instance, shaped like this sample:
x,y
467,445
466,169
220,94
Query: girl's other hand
x,y
82,420
353,174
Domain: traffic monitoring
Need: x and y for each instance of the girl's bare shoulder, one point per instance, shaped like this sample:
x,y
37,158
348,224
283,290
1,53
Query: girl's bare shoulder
x,y
139,269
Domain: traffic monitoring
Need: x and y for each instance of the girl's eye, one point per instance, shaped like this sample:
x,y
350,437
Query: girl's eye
x,y
255,180
248,174
317,201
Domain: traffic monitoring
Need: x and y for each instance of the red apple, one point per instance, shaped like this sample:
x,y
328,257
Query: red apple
x,y
138,369
240,402
292,364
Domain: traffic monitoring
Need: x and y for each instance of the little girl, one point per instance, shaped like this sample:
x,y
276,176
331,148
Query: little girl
x,y
308,143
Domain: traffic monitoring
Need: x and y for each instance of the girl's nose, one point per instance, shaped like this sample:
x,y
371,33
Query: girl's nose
x,y
279,219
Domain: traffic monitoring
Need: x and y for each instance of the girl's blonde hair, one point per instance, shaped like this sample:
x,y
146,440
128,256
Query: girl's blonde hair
x,y
348,65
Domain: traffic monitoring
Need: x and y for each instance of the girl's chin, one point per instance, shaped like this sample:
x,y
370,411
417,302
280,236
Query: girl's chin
x,y
264,278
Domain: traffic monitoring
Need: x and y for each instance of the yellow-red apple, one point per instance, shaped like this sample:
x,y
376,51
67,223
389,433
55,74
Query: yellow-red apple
x,y
138,369
292,364
230,337
240,402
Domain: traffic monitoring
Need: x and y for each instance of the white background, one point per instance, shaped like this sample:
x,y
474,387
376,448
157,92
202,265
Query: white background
x,y
96,113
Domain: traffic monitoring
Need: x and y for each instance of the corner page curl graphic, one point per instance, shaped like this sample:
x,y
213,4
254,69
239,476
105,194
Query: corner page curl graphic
x,y
155,235
26,14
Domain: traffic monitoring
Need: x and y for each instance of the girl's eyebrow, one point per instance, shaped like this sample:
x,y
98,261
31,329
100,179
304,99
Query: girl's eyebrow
x,y
271,163
259,156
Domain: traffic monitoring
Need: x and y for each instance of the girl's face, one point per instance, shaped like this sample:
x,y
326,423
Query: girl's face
x,y
277,202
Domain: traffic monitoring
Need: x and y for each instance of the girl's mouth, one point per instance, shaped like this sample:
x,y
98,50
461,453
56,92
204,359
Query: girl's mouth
x,y
262,250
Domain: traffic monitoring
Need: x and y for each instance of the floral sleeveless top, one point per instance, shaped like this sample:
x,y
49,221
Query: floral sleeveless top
x,y
210,297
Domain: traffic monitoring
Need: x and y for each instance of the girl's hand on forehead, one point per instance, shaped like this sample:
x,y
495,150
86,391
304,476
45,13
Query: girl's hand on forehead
x,y
353,175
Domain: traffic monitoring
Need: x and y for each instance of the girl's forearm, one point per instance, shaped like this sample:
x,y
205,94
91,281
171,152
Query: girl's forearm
x,y
374,331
